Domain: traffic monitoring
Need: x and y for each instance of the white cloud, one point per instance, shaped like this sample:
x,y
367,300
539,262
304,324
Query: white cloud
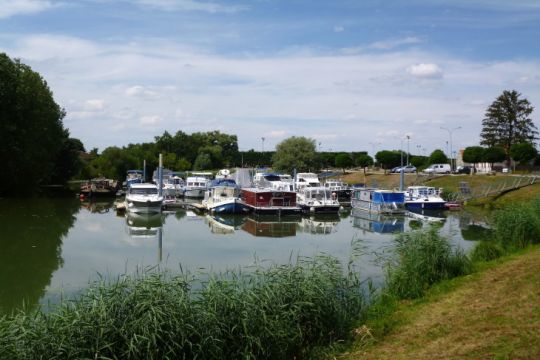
x,y
191,5
150,120
10,8
279,95
339,28
392,43
140,91
429,71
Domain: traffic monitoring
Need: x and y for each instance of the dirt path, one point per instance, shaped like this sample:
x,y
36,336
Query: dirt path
x,y
494,314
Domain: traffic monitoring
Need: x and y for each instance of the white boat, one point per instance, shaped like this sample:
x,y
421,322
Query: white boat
x,y
307,180
223,197
143,198
318,200
338,187
379,201
196,185
273,181
424,197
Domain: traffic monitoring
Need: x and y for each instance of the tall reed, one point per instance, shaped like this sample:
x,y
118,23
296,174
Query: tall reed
x,y
517,225
421,259
277,312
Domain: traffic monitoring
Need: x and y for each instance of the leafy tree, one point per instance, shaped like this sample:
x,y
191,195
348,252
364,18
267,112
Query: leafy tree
x,y
31,130
493,154
507,122
363,160
473,155
418,161
343,161
388,159
438,157
68,162
203,162
295,152
523,152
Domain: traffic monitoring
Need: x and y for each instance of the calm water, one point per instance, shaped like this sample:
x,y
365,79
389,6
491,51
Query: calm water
x,y
50,247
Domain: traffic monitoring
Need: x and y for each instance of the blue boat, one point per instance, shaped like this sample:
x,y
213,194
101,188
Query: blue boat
x,y
378,201
223,197
134,177
424,197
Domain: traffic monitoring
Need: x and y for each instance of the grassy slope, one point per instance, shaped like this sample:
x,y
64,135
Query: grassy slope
x,y
494,313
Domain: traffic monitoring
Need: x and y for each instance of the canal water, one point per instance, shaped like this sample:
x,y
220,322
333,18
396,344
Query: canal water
x,y
53,247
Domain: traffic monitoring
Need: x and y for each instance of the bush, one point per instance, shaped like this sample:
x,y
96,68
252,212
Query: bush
x,y
486,251
517,225
421,259
279,312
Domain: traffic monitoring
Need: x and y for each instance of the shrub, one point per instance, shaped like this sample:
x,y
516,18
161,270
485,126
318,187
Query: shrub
x,y
486,250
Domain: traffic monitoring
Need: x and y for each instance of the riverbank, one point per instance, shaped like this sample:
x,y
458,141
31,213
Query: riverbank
x,y
493,313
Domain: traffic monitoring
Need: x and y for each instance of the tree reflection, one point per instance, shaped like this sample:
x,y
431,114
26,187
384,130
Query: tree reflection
x,y
32,231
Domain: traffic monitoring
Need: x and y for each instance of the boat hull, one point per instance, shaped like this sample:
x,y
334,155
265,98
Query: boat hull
x,y
434,205
377,207
232,207
321,209
194,193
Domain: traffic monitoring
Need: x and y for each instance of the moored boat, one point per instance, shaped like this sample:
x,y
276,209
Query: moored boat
x,y
268,201
100,187
424,197
134,177
318,200
143,198
379,201
195,186
342,190
223,196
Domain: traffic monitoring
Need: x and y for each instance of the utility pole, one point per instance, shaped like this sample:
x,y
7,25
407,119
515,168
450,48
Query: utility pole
x,y
450,131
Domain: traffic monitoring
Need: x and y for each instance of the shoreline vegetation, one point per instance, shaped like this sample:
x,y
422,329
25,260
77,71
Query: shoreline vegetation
x,y
309,308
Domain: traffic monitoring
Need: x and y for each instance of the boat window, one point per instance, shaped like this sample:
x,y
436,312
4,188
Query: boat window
x,y
144,191
272,178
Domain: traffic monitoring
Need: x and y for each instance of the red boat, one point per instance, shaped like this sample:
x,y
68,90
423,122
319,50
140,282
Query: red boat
x,y
267,201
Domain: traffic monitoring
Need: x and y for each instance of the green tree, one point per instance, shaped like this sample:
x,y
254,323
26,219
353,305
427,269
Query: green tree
x,y
388,159
31,130
493,154
203,162
68,163
507,122
523,152
473,155
419,161
344,161
295,152
438,157
363,160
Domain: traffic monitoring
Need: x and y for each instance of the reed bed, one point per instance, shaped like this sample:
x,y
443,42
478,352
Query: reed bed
x,y
277,312
515,227
420,259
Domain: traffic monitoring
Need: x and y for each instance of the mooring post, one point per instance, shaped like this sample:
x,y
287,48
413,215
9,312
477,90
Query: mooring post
x,y
160,175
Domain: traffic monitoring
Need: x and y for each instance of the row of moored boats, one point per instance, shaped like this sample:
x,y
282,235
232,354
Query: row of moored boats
x,y
271,193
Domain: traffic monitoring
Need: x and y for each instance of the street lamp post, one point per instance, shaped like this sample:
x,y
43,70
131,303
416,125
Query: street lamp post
x,y
450,131
408,138
262,144
373,145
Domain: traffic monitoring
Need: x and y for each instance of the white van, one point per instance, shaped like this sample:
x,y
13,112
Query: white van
x,y
438,169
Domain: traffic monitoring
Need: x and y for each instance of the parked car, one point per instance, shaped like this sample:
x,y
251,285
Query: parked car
x,y
406,169
438,169
465,169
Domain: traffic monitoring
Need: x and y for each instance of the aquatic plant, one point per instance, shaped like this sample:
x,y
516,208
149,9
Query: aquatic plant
x,y
276,312
421,259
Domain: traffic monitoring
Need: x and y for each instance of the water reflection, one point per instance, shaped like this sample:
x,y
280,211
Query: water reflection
x,y
377,223
271,226
99,206
144,228
30,247
323,224
224,224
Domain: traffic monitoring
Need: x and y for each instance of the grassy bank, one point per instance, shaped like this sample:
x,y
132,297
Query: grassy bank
x,y
492,313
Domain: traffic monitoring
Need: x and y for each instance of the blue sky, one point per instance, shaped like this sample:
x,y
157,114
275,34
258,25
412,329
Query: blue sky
x,y
353,75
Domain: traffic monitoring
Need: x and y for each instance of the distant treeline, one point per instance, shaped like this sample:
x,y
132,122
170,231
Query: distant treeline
x,y
184,152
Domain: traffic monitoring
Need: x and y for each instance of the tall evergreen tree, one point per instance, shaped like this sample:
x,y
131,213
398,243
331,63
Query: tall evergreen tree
x,y
507,122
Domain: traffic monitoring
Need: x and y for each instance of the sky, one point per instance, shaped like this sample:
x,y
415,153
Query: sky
x,y
352,75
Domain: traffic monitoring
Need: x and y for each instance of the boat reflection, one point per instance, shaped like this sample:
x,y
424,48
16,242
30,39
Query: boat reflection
x,y
430,215
376,222
271,226
100,207
142,226
322,224
224,224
